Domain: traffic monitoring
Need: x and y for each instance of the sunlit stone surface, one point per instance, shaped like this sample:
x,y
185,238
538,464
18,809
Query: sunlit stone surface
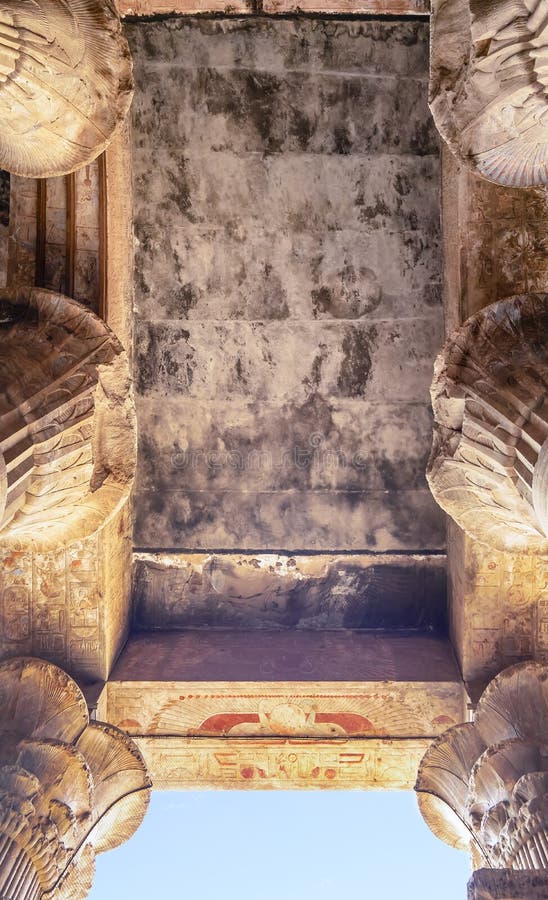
x,y
489,462
69,788
65,83
484,785
281,620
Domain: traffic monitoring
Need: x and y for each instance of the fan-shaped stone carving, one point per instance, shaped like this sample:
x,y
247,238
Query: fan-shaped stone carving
x,y
65,83
68,788
489,463
51,351
484,786
489,86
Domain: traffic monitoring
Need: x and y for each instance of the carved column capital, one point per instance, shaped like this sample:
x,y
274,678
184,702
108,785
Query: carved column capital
x,y
489,463
489,86
65,83
483,786
68,788
56,359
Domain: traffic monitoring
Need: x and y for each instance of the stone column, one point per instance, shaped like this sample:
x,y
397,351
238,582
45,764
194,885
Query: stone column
x,y
67,456
51,352
506,884
69,788
489,463
483,786
489,86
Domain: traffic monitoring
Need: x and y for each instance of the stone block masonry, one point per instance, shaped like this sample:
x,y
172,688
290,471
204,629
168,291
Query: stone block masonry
x,y
287,284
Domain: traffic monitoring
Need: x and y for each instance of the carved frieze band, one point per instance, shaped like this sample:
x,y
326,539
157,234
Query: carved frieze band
x,y
65,83
69,789
489,463
489,86
484,785
179,763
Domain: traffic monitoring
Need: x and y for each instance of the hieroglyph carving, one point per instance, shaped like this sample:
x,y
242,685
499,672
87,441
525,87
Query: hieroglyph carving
x,y
69,789
65,83
484,785
489,86
489,463
50,351
178,763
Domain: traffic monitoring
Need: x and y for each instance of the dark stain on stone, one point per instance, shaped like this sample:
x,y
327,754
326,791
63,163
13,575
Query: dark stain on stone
x,y
185,298
432,294
148,450
142,287
196,520
402,185
398,596
416,245
240,371
424,141
342,141
261,92
180,194
168,364
156,362
404,473
298,51
157,502
321,301
302,128
275,295
359,294
313,380
222,95
355,368
366,213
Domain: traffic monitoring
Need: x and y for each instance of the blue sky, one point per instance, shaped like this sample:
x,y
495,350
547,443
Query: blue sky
x,y
282,845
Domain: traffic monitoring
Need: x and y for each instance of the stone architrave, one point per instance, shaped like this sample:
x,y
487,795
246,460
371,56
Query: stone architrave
x,y
65,83
483,786
489,86
489,463
69,788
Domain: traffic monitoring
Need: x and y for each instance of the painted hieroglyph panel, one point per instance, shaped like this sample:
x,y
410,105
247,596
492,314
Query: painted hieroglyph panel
x,y
205,763
273,709
68,603
499,606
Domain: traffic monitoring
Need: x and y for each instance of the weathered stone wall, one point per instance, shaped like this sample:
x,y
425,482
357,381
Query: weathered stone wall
x,y
287,284
271,591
